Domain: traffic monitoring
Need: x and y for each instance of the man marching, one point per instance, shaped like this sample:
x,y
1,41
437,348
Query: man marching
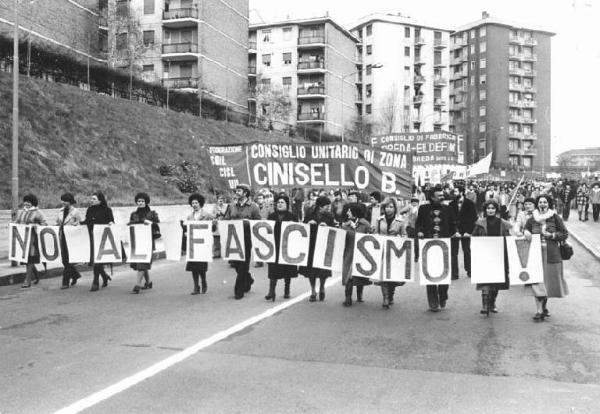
x,y
436,220
243,209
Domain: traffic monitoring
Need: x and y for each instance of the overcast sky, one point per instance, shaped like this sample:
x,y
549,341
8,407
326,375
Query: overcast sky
x,y
575,48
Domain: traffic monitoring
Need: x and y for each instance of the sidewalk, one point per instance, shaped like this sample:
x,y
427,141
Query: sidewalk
x,y
585,232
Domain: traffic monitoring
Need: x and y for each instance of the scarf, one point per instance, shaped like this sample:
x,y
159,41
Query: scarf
x,y
542,217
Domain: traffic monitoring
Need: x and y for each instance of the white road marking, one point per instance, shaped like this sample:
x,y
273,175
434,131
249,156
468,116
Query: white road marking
x,y
149,372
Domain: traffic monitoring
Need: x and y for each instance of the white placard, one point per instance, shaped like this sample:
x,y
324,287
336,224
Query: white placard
x,y
49,244
262,234
329,249
19,242
107,245
398,260
78,243
232,239
434,262
487,260
172,237
367,257
525,260
137,242
199,241
294,243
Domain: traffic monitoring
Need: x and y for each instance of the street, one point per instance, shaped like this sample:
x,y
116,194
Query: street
x,y
61,346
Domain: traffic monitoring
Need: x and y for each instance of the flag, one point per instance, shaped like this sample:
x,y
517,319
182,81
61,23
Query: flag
x,y
480,167
447,177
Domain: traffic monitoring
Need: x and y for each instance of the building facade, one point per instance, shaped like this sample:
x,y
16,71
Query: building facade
x,y
298,75
402,78
500,92
585,158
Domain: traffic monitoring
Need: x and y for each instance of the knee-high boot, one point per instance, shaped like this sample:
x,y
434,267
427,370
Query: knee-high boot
x,y
359,293
286,287
272,286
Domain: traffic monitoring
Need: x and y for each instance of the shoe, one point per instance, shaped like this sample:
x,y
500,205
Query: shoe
x,y
204,289
74,281
321,296
434,309
64,287
147,285
249,285
105,281
347,302
94,288
259,264
538,317
546,313
359,298
25,285
36,280
196,291
443,303
312,298
239,296
136,289
391,301
286,295
271,297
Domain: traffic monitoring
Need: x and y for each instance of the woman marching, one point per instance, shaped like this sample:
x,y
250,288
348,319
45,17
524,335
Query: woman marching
x,y
31,215
68,215
389,225
275,270
143,215
319,216
551,227
491,225
355,223
198,269
98,213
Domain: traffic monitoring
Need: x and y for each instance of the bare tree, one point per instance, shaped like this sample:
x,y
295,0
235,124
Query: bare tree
x,y
390,111
362,129
273,104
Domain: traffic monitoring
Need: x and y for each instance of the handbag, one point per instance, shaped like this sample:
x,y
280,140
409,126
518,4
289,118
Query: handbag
x,y
566,250
155,231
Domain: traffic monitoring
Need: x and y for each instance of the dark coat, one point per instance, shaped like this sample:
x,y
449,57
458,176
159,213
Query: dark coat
x,y
98,214
328,220
425,221
554,225
466,216
362,226
481,230
276,270
136,218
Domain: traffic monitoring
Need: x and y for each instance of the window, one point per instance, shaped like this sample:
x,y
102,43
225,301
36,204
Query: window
x,y
121,41
369,90
482,31
286,81
148,68
368,108
265,82
407,51
482,79
369,30
472,65
473,34
148,6
527,162
266,35
482,127
482,95
407,32
148,37
185,70
369,49
369,69
266,60
482,47
472,79
287,33
287,58
481,63
482,110
472,48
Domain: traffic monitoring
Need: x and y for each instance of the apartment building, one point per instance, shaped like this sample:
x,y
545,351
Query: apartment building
x,y
303,62
402,78
500,92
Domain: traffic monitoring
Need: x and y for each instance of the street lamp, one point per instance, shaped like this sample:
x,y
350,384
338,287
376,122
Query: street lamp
x,y
374,66
15,118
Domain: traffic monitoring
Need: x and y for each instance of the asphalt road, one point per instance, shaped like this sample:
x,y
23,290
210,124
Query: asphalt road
x,y
61,346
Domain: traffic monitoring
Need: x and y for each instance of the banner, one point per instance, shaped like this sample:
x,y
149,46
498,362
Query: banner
x,y
487,260
428,148
232,239
263,241
294,244
172,237
19,242
329,248
137,242
49,244
78,243
107,244
434,262
307,165
199,241
525,264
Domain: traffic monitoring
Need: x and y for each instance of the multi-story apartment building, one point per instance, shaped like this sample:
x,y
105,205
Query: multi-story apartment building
x,y
193,45
500,92
308,63
402,78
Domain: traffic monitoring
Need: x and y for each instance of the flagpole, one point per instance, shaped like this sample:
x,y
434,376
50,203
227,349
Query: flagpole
x,y
516,190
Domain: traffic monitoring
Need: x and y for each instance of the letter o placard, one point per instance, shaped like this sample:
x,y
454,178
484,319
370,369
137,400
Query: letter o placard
x,y
431,244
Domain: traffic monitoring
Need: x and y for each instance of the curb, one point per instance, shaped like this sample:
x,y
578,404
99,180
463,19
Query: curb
x,y
19,276
585,246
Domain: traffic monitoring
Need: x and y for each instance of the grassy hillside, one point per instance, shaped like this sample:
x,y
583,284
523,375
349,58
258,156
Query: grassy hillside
x,y
78,141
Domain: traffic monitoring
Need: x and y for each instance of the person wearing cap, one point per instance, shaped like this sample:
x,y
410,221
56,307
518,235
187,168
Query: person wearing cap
x,y
319,216
243,209
31,215
278,271
436,220
68,215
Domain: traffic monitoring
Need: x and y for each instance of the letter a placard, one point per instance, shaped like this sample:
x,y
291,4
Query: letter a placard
x,y
107,244
232,239
434,262
525,260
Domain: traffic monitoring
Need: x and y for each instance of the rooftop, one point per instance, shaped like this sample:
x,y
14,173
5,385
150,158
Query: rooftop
x,y
486,18
393,18
580,151
300,22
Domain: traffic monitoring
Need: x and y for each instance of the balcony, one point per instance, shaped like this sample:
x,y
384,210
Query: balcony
x,y
515,87
458,42
418,100
419,41
358,98
311,92
439,44
457,106
252,95
529,57
439,64
180,83
531,121
252,70
532,137
419,80
185,17
311,116
515,55
530,42
515,104
419,61
460,74
252,45
515,118
311,41
529,72
180,51
311,66
440,81
516,151
439,102
515,71
529,104
529,88
438,121
515,40
515,134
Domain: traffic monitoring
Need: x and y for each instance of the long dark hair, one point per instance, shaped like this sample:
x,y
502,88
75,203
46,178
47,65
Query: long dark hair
x,y
101,198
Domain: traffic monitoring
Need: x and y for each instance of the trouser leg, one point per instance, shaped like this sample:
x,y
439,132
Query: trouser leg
x,y
466,246
432,296
286,287
454,242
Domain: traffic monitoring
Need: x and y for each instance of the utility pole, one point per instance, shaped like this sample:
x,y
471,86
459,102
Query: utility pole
x,y
15,120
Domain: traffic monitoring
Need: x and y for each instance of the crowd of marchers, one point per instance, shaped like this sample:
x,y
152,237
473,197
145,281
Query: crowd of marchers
x,y
458,210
